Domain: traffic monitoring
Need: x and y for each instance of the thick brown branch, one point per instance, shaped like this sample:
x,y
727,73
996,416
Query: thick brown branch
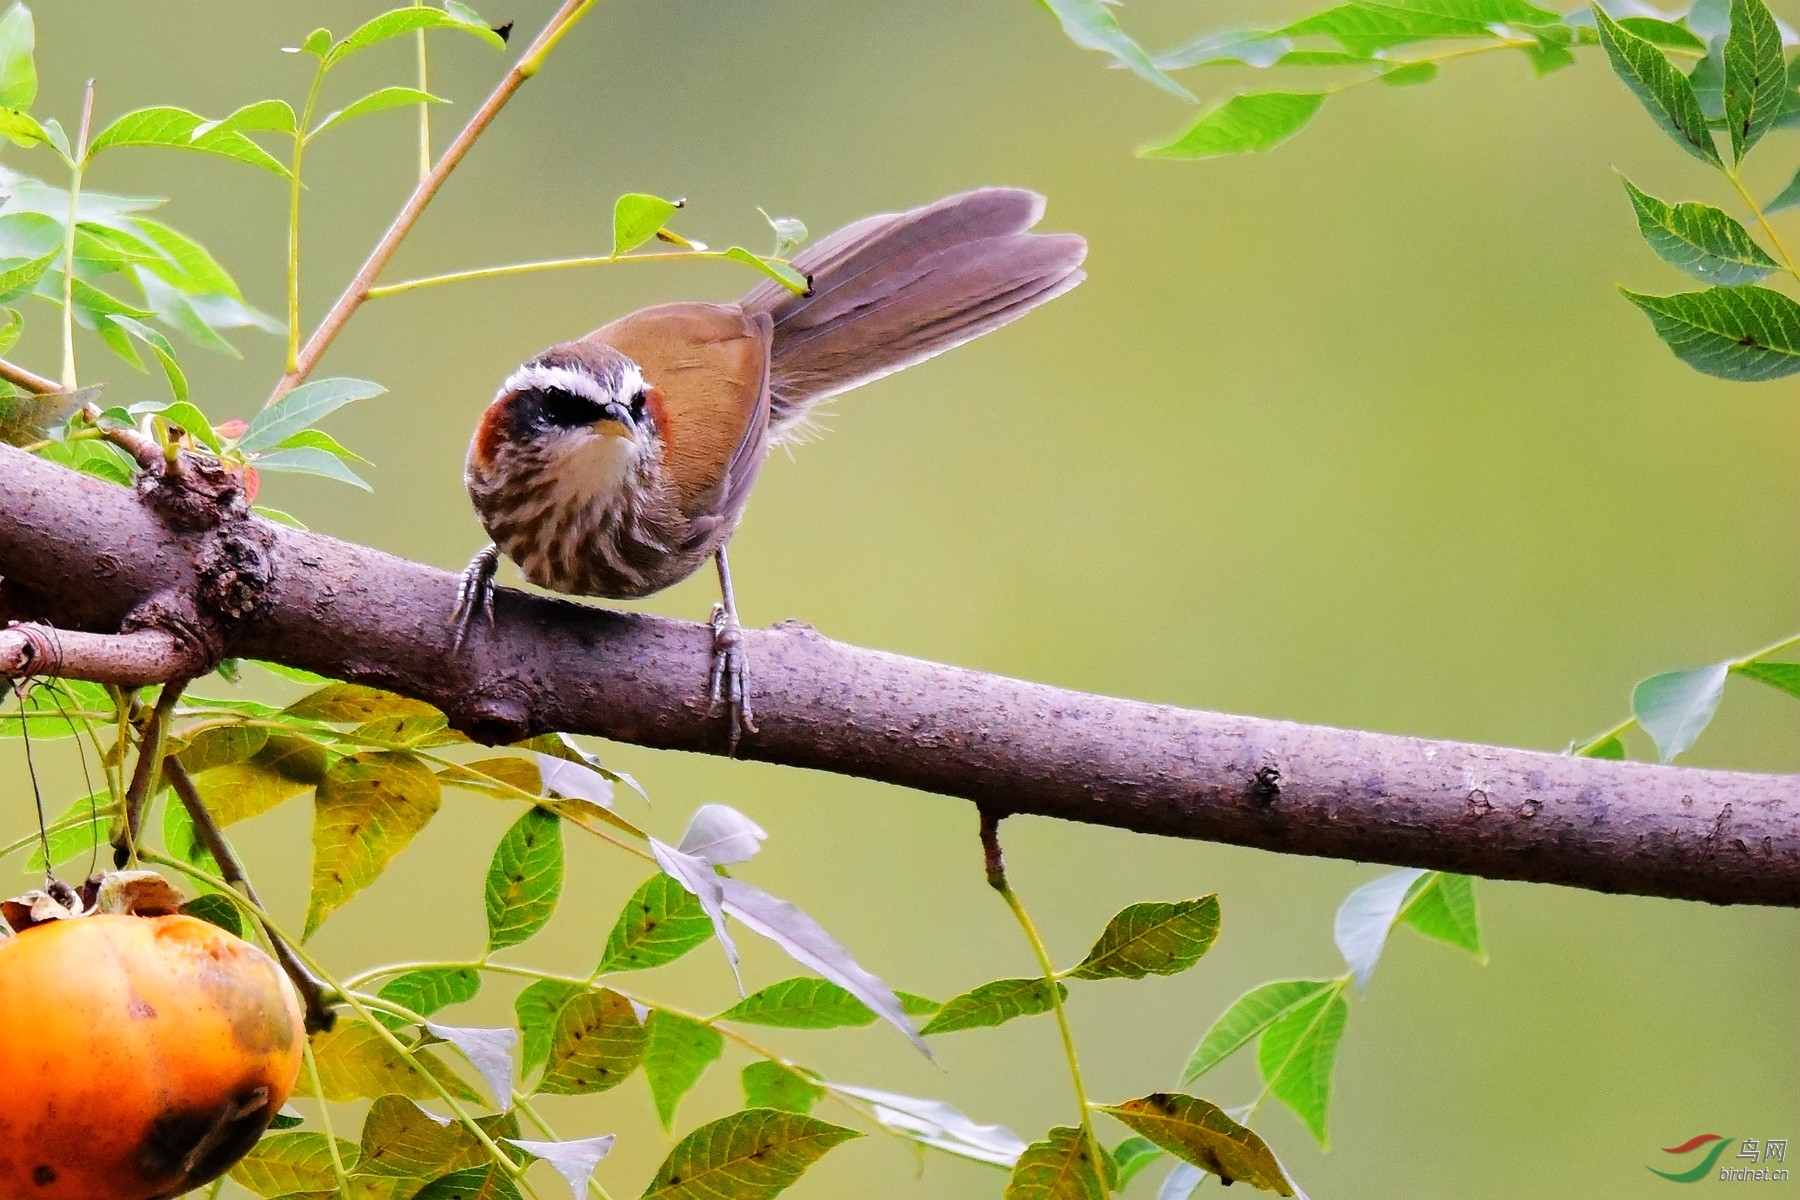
x,y
87,553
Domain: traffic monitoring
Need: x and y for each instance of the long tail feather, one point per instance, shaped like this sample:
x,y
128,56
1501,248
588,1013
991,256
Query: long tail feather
x,y
893,290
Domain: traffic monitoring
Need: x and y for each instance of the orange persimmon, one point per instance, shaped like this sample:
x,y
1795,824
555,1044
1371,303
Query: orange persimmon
x,y
139,1056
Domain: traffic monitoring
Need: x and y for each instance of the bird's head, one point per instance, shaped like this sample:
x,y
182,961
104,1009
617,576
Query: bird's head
x,y
583,413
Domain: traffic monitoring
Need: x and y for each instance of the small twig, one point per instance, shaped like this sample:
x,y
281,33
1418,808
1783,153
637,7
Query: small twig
x,y
14,374
137,659
143,777
570,12
143,451
551,264
313,992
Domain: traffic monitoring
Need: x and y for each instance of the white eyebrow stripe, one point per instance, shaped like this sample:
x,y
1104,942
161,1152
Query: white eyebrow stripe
x,y
538,377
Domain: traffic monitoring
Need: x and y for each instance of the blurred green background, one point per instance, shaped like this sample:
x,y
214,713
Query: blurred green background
x,y
1356,433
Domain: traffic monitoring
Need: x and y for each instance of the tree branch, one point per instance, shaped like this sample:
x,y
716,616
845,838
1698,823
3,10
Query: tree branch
x,y
87,554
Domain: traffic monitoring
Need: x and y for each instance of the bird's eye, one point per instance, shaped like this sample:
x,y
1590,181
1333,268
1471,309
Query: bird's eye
x,y
564,409
637,409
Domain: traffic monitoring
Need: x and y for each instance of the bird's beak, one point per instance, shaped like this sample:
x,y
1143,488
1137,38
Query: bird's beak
x,y
615,421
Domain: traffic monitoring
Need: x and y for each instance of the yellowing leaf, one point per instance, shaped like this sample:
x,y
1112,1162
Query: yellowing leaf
x,y
749,1155
598,1043
1199,1132
367,809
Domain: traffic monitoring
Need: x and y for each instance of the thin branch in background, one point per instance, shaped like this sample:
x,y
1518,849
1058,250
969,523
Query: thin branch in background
x,y
550,264
313,992
357,291
29,380
144,778
68,262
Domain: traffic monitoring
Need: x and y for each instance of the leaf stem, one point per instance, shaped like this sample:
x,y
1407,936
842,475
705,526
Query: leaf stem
x,y
357,290
424,106
318,1089
1787,260
29,380
76,169
553,264
293,260
995,863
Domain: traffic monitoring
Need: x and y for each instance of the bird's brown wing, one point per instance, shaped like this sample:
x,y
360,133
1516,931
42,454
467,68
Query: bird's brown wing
x,y
707,366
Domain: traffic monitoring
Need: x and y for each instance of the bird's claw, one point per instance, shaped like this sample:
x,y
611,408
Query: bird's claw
x,y
475,594
727,688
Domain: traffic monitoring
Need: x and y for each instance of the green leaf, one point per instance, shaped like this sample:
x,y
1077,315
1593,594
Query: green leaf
x,y
537,1006
185,263
677,1053
801,1003
1410,74
41,712
661,922
1248,1016
221,746
1665,92
1091,25
179,129
23,130
77,832
1200,1133
398,21
1442,905
376,101
308,461
1609,747
789,278
18,71
1296,1055
1365,918
96,458
525,879
1365,27
1742,333
354,704
357,1062
178,387
1666,34
1247,124
317,43
1755,75
216,910
774,1085
1131,1156
285,1163
263,116
1152,939
20,278
598,1043
401,1140
1061,1167
750,1155
637,217
994,1004
1675,706
472,1183
1787,198
790,233
428,990
1700,239
1784,676
305,406
368,807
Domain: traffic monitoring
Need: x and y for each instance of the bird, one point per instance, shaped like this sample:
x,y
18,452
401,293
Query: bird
x,y
620,463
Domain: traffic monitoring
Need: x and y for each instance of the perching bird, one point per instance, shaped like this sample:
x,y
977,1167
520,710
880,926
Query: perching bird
x,y
617,464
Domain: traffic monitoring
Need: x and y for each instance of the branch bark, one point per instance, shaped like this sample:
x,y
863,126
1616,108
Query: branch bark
x,y
89,555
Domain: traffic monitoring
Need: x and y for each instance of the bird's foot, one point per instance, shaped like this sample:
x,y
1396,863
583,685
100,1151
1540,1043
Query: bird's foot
x,y
728,688
475,594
